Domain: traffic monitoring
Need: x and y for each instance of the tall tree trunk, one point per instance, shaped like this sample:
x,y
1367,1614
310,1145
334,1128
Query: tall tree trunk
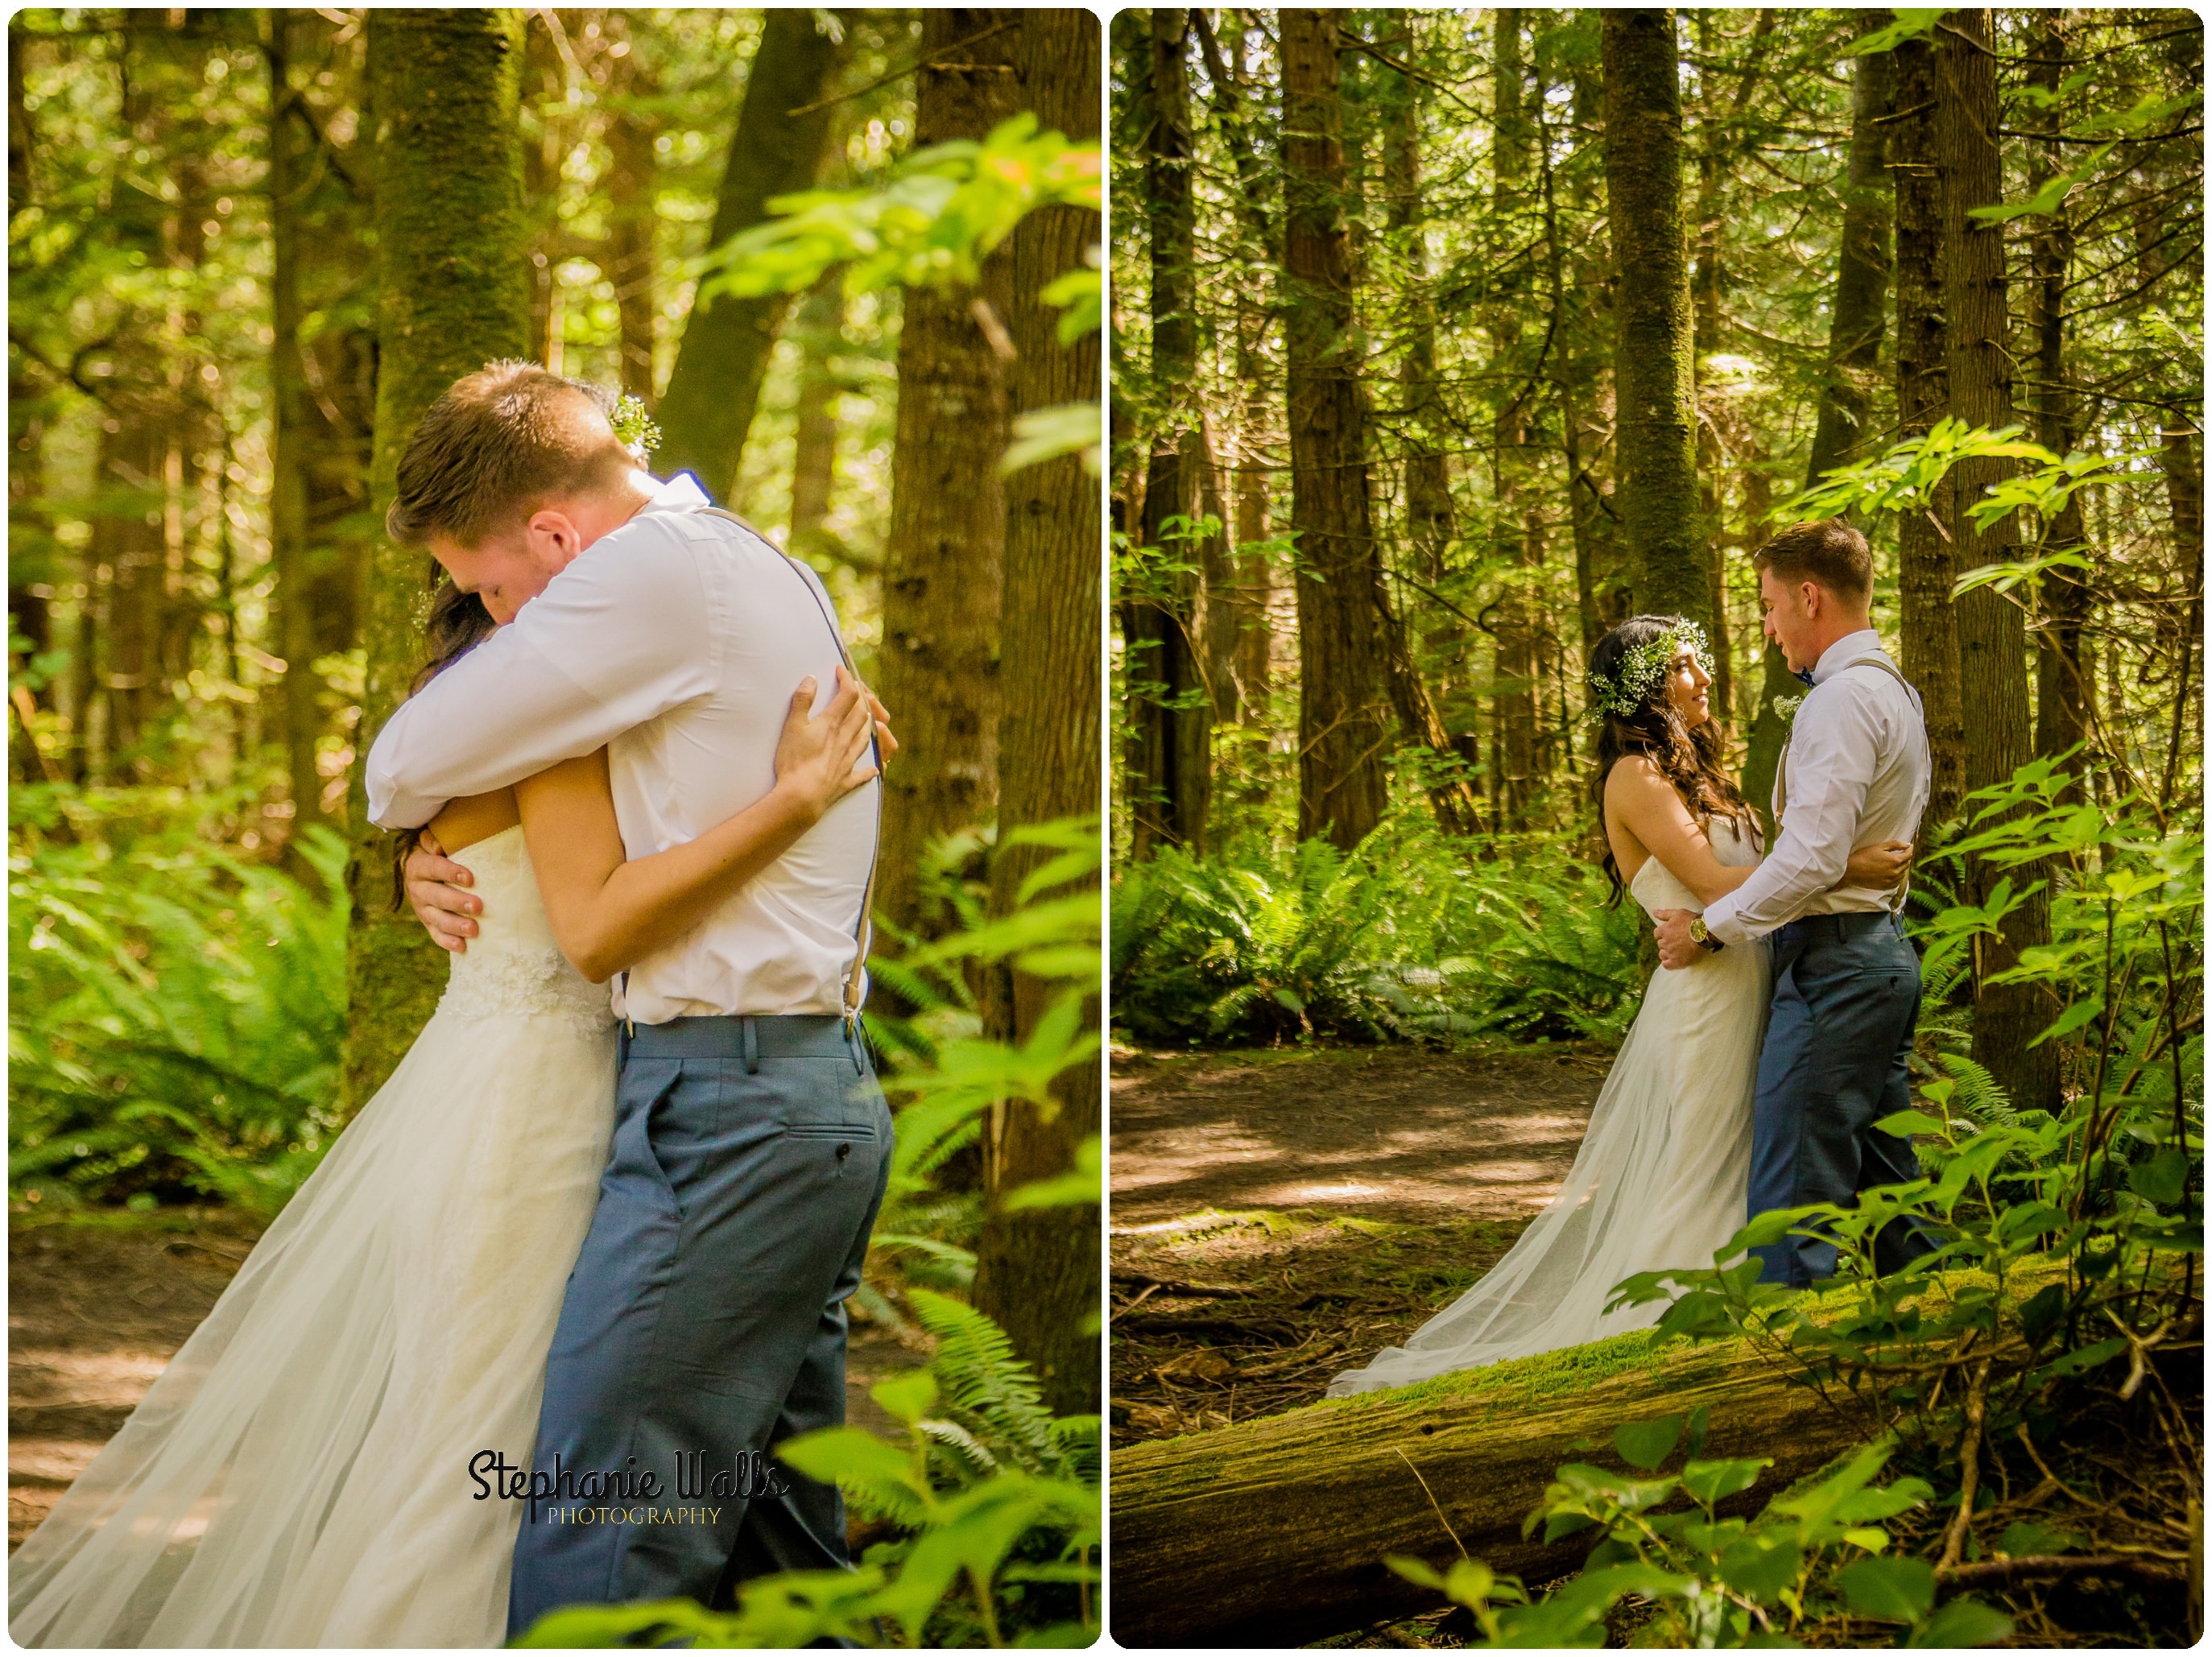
x,y
714,386
1342,738
1512,550
2185,494
1652,373
1584,331
1927,566
1854,331
633,174
1169,759
291,159
1258,257
1992,645
939,663
1037,1270
453,294
2061,681
819,332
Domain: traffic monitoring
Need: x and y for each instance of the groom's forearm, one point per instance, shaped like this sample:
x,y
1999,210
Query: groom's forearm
x,y
499,715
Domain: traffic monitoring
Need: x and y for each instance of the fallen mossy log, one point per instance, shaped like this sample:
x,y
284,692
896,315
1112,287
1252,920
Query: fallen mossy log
x,y
1273,1532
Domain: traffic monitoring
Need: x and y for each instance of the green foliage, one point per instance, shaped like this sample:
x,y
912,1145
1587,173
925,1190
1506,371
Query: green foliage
x,y
997,1501
1715,1581
1411,935
176,1016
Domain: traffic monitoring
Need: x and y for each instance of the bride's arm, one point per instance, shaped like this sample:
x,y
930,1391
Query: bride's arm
x,y
1645,802
607,913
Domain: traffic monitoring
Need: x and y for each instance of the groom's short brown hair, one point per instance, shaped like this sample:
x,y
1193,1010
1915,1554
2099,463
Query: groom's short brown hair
x,y
1826,551
499,442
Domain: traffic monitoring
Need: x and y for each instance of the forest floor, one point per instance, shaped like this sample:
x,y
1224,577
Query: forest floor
x,y
1280,1216
99,1303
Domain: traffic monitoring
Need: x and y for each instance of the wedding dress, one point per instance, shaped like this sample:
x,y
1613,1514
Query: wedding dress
x,y
1660,1179
299,1475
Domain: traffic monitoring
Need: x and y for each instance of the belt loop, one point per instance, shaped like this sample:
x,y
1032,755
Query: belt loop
x,y
852,1043
751,1044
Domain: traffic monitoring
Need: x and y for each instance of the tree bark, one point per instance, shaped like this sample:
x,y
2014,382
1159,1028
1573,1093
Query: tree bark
x,y
1513,550
1342,739
453,294
1285,1519
1652,367
633,174
714,386
1992,643
1854,331
939,663
2061,679
819,328
1037,1270
1928,620
1169,765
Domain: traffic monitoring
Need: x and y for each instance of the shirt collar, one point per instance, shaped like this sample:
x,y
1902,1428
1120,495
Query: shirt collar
x,y
681,493
1849,648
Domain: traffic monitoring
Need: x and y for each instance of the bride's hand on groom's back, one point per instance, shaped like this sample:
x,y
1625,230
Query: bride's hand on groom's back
x,y
433,884
818,758
1880,865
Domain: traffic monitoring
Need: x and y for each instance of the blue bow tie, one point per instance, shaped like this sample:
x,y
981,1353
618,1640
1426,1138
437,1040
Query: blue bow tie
x,y
1803,676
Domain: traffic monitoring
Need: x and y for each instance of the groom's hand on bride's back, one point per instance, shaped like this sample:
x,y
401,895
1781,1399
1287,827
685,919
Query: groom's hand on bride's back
x,y
1677,948
433,880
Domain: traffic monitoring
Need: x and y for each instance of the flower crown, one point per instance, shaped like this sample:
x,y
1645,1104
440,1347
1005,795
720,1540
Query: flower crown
x,y
1642,668
634,427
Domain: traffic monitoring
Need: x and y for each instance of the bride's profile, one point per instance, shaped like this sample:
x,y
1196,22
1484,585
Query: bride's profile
x,y
298,1476
1662,1175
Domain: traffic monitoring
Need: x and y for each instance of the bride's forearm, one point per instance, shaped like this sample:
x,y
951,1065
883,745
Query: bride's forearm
x,y
651,901
1717,882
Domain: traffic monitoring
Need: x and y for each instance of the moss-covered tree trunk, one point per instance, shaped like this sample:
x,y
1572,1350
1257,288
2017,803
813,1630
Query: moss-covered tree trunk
x,y
1037,1270
1653,373
1927,620
1342,738
453,294
2062,685
939,667
715,386
1169,769
1992,640
1856,326
1273,1532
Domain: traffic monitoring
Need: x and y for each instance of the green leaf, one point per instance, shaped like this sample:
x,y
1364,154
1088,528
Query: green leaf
x,y
1891,1590
1913,23
1759,1567
1962,1624
1711,1482
2162,1178
1645,1444
906,1396
1906,1123
2072,1019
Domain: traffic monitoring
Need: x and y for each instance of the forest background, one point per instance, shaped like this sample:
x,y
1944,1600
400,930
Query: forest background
x,y
246,249
1422,385
1444,341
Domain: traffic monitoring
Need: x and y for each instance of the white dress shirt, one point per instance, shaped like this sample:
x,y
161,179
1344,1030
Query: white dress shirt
x,y
1858,774
675,643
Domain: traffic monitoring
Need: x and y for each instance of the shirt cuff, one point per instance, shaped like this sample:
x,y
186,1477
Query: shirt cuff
x,y
1721,921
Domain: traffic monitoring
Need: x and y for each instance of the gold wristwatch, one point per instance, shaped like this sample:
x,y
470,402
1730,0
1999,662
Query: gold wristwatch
x,y
1700,937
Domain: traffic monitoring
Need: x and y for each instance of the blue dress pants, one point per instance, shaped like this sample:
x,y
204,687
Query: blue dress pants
x,y
705,1319
1846,995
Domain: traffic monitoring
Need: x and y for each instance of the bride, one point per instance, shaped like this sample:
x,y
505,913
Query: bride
x,y
299,1474
1662,1176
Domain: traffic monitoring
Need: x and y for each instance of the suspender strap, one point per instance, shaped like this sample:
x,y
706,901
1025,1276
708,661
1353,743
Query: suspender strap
x,y
864,929
1878,660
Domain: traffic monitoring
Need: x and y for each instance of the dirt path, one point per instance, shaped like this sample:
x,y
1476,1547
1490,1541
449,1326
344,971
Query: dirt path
x,y
1277,1217
95,1311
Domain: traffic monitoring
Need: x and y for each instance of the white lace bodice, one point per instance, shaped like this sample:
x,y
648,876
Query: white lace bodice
x,y
1655,888
513,967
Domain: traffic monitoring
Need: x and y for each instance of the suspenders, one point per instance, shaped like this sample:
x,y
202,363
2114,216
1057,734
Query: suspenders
x,y
864,929
1881,659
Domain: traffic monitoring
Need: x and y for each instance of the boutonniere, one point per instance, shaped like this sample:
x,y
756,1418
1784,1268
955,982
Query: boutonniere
x,y
1785,708
634,427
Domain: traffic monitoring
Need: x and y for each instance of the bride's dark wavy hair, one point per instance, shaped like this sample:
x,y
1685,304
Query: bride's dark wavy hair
x,y
458,623
1688,757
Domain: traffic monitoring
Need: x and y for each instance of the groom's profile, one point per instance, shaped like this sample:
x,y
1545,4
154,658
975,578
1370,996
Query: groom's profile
x,y
705,1317
1853,772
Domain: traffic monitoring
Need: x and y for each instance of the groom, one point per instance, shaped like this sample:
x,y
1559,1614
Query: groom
x,y
705,1319
1854,771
